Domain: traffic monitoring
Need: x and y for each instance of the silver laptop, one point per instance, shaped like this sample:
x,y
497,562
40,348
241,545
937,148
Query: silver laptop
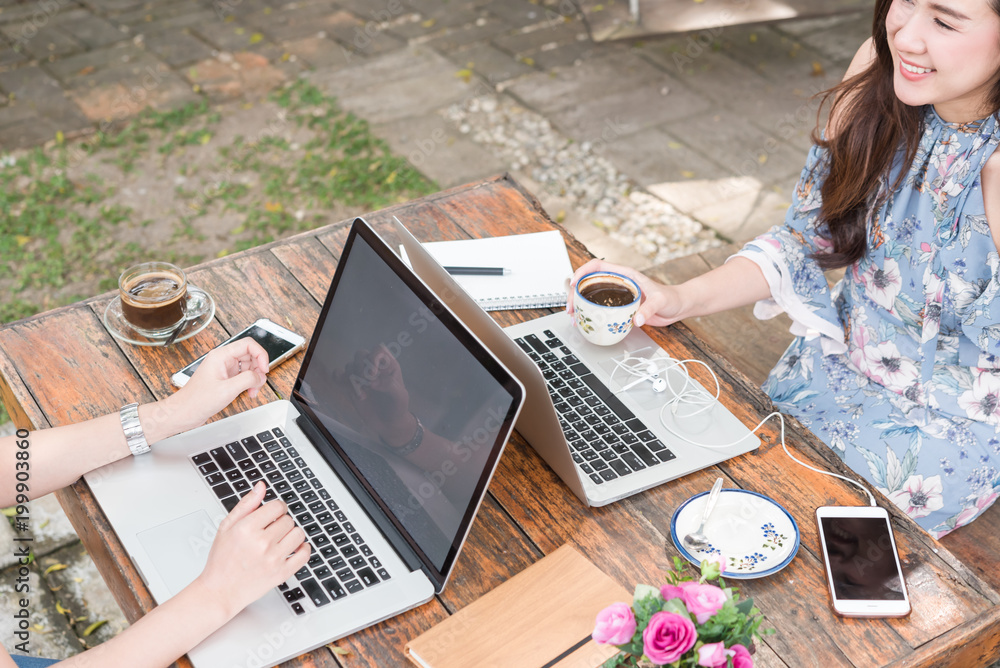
x,y
383,454
605,435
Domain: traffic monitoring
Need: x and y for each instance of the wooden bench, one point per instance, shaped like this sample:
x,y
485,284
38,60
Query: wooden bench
x,y
753,346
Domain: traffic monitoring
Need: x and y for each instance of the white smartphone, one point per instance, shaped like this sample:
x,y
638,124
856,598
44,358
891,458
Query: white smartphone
x,y
280,344
862,565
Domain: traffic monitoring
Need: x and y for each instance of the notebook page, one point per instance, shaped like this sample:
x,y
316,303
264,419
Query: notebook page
x,y
539,265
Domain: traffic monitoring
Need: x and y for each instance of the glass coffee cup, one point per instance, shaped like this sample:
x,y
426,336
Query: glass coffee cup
x,y
156,299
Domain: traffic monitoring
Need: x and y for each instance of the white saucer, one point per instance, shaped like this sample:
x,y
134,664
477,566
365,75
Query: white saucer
x,y
756,536
121,329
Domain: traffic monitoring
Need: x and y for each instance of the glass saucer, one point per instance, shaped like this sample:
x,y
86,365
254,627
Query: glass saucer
x,y
753,533
122,330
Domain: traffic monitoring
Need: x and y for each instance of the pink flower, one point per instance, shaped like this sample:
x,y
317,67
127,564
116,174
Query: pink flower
x,y
919,497
703,600
882,284
967,514
982,400
889,367
713,655
670,591
667,637
741,657
676,591
615,625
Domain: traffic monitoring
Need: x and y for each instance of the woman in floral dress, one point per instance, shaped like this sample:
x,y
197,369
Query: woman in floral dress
x,y
897,368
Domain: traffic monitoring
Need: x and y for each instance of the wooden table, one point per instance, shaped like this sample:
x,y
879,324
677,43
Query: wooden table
x,y
63,366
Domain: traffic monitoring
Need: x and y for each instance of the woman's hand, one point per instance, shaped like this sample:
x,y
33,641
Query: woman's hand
x,y
661,304
224,374
257,548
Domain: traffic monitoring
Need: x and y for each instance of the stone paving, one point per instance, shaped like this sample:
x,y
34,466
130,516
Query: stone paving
x,y
678,142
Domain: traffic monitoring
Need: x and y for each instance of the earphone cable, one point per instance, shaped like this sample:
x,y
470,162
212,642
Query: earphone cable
x,y
706,401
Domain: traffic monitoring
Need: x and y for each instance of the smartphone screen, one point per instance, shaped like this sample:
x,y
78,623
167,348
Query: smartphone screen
x,y
275,345
862,559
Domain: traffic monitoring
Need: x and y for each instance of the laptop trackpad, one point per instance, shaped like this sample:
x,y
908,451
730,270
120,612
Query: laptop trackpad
x,y
179,548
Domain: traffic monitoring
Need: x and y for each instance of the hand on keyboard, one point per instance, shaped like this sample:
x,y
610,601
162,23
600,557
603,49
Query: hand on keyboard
x,y
251,551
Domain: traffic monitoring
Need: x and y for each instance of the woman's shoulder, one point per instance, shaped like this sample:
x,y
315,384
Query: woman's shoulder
x,y
862,60
989,179
864,57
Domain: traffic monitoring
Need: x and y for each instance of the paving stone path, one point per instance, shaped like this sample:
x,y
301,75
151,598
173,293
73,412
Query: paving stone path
x,y
644,150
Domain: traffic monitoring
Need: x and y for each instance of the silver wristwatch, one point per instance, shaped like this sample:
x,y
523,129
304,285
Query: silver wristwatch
x,y
134,437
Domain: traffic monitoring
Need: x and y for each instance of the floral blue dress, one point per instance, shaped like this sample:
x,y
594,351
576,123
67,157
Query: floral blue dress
x,y
897,367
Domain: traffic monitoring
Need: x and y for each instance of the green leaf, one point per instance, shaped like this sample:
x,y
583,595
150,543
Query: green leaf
x,y
675,605
615,661
710,570
745,607
643,591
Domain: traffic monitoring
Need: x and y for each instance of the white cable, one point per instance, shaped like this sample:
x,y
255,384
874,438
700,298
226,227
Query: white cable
x,y
698,396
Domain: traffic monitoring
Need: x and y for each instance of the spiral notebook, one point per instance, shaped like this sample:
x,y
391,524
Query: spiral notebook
x,y
538,263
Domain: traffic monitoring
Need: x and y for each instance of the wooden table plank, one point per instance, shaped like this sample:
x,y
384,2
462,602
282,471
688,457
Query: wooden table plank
x,y
70,350
22,408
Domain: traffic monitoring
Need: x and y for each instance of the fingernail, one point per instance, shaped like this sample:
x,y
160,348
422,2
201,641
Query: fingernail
x,y
639,320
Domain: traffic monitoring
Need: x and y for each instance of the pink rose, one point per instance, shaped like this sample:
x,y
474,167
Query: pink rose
x,y
703,600
676,591
672,591
741,657
615,625
713,655
667,637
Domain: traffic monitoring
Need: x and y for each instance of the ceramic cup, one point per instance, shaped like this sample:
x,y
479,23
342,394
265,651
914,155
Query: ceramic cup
x,y
604,305
156,298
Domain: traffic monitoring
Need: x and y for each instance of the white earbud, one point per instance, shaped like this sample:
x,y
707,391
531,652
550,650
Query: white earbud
x,y
659,384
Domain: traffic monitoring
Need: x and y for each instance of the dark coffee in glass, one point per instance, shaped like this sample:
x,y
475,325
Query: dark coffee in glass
x,y
153,297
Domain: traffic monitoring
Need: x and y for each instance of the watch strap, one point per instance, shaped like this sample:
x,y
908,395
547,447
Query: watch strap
x,y
134,436
414,443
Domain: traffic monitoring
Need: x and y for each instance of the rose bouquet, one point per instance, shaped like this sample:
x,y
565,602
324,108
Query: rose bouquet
x,y
686,622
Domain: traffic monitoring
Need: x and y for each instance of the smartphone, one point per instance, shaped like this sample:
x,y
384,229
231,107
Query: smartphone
x,y
862,565
279,343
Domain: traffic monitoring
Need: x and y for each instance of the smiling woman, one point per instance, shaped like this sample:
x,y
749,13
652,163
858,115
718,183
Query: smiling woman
x,y
897,368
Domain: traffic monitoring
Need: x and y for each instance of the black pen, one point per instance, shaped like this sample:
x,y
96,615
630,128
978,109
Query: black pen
x,y
477,271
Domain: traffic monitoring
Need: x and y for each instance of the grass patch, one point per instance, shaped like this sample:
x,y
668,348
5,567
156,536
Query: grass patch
x,y
71,220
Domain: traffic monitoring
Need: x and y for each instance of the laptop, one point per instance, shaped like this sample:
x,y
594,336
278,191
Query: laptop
x,y
606,436
383,454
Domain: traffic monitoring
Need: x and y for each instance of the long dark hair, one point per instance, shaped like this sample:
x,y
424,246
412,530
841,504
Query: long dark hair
x,y
872,126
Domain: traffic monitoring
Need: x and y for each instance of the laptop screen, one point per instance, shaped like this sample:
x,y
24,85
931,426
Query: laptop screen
x,y
408,397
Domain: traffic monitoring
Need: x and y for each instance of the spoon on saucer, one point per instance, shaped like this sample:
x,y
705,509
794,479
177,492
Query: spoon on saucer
x,y
177,330
697,541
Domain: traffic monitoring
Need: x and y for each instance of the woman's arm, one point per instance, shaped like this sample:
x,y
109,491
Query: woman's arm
x,y
736,283
249,556
59,456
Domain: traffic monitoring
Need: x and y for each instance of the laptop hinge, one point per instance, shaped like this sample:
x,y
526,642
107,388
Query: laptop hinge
x,y
361,494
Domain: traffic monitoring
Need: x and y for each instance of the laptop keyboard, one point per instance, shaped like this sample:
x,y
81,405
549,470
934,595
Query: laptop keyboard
x,y
341,562
607,440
